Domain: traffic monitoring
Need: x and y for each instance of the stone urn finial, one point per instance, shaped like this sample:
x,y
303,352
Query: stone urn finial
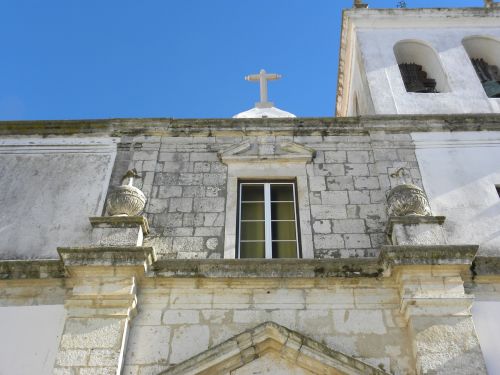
x,y
126,200
408,200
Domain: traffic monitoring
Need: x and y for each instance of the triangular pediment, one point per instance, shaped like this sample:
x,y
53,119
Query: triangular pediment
x,y
248,151
268,345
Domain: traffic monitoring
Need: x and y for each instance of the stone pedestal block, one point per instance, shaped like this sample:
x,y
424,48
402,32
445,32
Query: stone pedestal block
x,y
416,230
118,230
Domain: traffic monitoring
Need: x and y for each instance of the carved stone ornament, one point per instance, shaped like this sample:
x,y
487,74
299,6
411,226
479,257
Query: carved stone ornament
x,y
408,200
248,151
126,200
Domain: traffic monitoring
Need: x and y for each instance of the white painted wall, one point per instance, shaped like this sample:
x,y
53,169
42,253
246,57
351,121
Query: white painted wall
x,y
466,94
486,319
49,188
459,173
30,338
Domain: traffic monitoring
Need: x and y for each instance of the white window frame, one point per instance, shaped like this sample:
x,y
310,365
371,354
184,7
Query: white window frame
x,y
267,217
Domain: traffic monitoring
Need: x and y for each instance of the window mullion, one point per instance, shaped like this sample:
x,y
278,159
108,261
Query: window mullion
x,y
267,218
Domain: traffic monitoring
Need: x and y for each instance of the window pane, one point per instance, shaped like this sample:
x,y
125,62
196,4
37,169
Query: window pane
x,y
284,249
282,211
282,192
252,230
283,230
252,192
252,211
252,250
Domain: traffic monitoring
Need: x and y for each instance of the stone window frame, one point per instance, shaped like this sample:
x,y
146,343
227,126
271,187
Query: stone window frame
x,y
287,166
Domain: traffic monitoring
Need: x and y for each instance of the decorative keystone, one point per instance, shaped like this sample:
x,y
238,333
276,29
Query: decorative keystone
x,y
408,200
126,200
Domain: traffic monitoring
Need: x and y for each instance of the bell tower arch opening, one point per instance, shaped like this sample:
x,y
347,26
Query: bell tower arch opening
x,y
484,53
420,67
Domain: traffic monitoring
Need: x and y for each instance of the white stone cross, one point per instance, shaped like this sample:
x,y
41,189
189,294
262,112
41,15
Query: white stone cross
x,y
263,77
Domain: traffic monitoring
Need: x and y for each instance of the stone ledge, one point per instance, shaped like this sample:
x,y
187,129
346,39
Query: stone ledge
x,y
272,268
31,269
322,126
410,220
486,266
106,256
120,222
428,255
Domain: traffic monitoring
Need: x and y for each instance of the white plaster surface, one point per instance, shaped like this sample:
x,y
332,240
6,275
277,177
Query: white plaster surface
x,y
465,92
30,338
485,315
459,173
49,189
269,112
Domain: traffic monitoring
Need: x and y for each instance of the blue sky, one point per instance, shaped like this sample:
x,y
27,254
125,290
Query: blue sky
x,y
74,59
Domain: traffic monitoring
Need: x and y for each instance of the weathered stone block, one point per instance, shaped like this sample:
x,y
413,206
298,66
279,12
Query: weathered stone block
x,y
169,191
209,204
329,169
328,212
181,317
98,371
322,226
317,183
188,341
157,206
334,197
190,179
188,244
335,157
357,240
204,156
356,170
92,333
340,183
359,321
349,226
117,236
328,241
194,191
217,179
208,231
168,220
180,205
147,344
278,298
359,197
72,357
358,157
366,183
104,357
202,167
173,156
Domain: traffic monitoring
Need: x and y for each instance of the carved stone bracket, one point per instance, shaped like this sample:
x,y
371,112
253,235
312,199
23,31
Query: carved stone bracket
x,y
406,200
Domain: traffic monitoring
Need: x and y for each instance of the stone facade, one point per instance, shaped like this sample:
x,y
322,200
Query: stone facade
x,y
347,182
398,272
158,294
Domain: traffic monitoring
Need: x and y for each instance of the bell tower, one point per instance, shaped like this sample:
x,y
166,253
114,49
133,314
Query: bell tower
x,y
419,61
